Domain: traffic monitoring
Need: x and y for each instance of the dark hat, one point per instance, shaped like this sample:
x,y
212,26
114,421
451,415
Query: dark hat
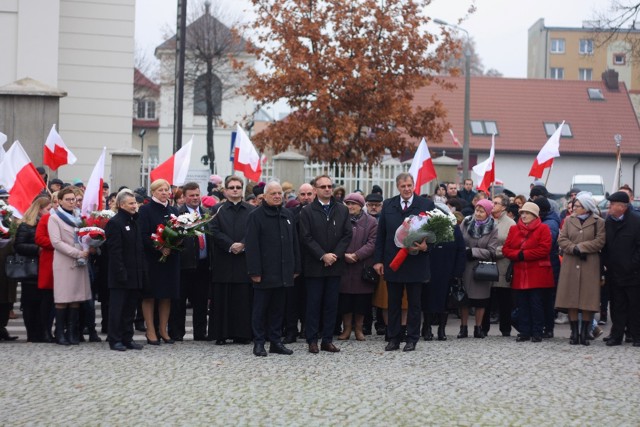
x,y
376,189
257,190
105,185
40,170
291,203
373,197
538,190
543,204
355,198
619,196
56,181
141,190
249,197
575,190
139,198
3,193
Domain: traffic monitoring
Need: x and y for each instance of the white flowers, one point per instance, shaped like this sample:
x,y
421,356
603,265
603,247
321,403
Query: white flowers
x,y
107,213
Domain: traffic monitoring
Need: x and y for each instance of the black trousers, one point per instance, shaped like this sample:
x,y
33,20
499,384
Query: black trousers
x,y
503,298
194,284
295,299
31,313
414,296
625,311
322,302
267,314
122,311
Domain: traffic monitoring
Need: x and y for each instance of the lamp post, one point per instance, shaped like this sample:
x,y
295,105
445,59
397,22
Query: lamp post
x,y
141,134
467,97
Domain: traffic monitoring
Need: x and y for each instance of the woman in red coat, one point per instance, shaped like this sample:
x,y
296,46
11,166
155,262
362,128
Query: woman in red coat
x,y
45,274
528,245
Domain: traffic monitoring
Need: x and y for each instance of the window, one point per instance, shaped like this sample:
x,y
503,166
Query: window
x,y
550,128
586,46
619,59
595,94
145,109
484,127
557,45
585,74
557,73
199,96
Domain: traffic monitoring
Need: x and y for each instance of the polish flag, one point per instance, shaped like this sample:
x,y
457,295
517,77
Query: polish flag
x,y
175,168
56,153
487,169
549,151
245,157
20,178
93,200
422,169
3,139
455,140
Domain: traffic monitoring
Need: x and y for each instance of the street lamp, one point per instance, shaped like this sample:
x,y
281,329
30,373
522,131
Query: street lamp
x,y
141,134
467,97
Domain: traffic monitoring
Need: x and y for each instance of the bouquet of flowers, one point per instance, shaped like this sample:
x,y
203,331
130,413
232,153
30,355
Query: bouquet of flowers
x,y
91,233
172,234
434,226
7,226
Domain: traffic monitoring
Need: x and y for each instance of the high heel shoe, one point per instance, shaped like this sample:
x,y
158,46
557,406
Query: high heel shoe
x,y
167,340
150,342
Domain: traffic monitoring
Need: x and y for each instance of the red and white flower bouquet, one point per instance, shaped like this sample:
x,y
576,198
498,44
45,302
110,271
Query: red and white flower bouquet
x,y
172,234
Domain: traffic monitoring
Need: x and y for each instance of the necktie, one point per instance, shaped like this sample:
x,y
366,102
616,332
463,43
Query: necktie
x,y
201,241
326,209
406,205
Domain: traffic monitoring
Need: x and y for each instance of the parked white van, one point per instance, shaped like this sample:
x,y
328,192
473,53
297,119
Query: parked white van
x,y
592,183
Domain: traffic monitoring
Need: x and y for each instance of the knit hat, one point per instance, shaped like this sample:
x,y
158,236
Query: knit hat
x,y
208,201
619,196
531,208
292,204
543,204
355,198
376,189
486,205
538,190
586,200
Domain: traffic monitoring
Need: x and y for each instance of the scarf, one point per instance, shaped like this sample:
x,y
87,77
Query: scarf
x,y
477,229
165,204
526,229
67,218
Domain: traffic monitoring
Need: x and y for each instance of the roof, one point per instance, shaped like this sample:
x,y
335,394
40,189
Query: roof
x,y
520,107
30,87
139,79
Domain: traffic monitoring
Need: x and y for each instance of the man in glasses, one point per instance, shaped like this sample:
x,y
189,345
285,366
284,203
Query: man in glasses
x,y
325,230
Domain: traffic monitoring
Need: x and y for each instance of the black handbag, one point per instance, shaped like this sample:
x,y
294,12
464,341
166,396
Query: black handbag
x,y
508,276
457,294
20,267
370,275
486,271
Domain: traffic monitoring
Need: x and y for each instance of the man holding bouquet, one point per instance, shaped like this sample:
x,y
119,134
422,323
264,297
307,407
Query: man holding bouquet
x,y
413,272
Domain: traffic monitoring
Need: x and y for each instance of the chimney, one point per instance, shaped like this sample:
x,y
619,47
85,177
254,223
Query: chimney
x,y
610,78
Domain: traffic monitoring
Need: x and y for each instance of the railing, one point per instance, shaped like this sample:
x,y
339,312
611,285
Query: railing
x,y
145,168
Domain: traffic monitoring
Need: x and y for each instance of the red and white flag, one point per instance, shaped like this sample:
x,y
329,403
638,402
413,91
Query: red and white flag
x,y
175,168
487,169
56,153
20,178
245,156
3,139
422,169
93,200
455,140
549,151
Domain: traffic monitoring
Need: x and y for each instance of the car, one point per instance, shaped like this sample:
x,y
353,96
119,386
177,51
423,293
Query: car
x,y
604,206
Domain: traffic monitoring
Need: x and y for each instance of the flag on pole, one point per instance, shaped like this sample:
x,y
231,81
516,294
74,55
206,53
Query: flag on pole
x,y
3,139
487,169
545,157
93,200
455,140
56,153
616,176
245,157
175,168
422,169
20,178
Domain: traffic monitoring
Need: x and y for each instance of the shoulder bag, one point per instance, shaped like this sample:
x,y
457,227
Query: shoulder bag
x,y
20,267
486,271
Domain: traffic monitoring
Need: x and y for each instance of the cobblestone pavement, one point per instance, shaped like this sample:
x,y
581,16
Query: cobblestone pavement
x,y
494,381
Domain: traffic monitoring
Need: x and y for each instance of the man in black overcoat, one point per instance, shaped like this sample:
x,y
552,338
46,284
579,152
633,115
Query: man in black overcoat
x,y
127,274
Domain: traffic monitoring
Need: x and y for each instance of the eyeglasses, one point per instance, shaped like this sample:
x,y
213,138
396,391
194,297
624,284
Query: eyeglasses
x,y
374,204
306,194
237,187
69,200
325,187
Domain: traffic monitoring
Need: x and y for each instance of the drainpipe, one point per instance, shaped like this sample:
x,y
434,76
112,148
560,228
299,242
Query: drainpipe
x,y
634,172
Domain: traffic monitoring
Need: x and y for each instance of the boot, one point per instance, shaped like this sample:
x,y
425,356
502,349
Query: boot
x,y
360,333
478,332
464,332
62,314
584,331
574,339
93,336
442,323
427,334
73,331
346,333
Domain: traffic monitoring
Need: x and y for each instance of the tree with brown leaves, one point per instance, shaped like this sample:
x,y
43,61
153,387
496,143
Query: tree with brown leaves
x,y
348,70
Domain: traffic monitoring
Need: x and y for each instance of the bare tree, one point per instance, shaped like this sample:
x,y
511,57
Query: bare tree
x,y
454,64
619,23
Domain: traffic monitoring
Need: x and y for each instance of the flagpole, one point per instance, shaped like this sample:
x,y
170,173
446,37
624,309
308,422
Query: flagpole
x,y
548,175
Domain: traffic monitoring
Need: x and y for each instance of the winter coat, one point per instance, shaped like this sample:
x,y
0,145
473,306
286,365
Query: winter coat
x,y
127,264
321,234
190,254
8,287
362,244
70,282
532,269
25,244
272,248
447,261
415,268
579,284
503,224
483,248
45,263
552,220
228,227
621,253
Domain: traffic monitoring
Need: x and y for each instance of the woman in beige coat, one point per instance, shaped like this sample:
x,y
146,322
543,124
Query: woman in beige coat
x,y
71,283
581,239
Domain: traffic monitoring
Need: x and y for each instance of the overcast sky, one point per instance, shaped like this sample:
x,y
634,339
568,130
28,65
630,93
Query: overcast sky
x,y
499,27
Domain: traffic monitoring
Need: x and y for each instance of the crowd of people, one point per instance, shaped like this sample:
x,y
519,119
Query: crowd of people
x,y
276,265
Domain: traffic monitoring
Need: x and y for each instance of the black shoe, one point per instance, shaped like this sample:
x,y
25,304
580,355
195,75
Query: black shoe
x,y
547,334
221,342
410,346
167,341
392,346
607,338
140,326
427,333
381,330
536,339
636,344
289,339
279,348
584,332
72,326
200,338
366,331
132,345
177,338
628,337
241,341
93,336
117,346
156,342
464,332
4,335
523,338
258,350
62,315
478,332
574,339
613,342
442,324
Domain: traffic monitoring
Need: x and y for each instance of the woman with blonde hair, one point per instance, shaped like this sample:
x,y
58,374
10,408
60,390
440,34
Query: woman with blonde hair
x,y
164,277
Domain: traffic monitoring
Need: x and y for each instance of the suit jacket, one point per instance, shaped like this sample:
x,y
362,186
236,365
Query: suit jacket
x,y
621,253
127,264
190,255
416,267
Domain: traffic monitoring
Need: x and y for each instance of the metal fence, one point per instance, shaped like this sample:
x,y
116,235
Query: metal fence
x,y
145,168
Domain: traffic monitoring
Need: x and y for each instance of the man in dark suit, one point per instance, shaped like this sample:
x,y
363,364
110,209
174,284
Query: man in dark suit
x,y
273,261
413,273
194,275
127,272
232,293
326,232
